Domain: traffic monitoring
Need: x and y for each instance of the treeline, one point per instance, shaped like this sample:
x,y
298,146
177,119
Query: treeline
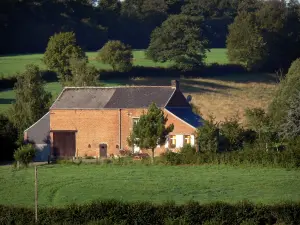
x,y
116,212
26,26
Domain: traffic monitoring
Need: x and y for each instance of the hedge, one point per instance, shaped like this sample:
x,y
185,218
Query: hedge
x,y
116,212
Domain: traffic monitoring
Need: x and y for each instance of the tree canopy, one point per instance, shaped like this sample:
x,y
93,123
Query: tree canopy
x,y
32,101
117,54
180,39
60,50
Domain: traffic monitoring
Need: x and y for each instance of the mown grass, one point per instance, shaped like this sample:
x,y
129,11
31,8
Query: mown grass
x,y
64,184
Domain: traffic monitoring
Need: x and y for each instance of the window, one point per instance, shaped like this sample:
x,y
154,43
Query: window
x,y
187,139
172,141
135,121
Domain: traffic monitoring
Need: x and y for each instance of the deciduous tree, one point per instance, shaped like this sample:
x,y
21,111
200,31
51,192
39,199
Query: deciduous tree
x,y
60,49
32,101
179,39
151,130
83,74
117,54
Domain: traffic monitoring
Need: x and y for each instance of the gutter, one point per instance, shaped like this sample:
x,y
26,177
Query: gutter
x,y
120,137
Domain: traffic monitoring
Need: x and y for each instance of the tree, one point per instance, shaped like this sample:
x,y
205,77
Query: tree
x,y
32,101
232,131
83,74
60,49
288,88
245,43
117,54
179,39
290,129
8,138
208,136
151,130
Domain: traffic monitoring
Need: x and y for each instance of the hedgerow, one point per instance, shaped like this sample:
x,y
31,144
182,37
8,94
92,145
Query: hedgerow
x,y
116,212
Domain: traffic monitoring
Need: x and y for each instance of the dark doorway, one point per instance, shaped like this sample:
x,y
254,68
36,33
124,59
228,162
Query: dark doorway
x,y
103,150
64,144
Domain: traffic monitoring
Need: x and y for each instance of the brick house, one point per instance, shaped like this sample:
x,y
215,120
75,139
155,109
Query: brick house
x,y
96,121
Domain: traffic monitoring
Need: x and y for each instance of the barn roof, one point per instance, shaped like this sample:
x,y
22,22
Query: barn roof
x,y
114,97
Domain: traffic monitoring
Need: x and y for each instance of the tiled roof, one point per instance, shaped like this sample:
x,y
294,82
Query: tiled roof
x,y
116,97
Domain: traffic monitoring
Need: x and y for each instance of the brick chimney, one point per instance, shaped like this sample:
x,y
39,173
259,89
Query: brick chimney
x,y
175,84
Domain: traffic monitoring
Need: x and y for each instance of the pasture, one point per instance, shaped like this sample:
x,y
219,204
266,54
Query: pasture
x,y
221,95
10,65
64,184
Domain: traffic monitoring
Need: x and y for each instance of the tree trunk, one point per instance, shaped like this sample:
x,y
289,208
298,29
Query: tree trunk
x,y
152,157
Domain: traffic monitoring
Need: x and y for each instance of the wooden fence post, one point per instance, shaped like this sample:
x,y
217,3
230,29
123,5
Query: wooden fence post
x,y
36,193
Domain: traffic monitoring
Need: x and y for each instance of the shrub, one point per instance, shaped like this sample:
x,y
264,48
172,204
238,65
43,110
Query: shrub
x,y
208,136
172,158
117,54
24,154
232,131
116,212
188,154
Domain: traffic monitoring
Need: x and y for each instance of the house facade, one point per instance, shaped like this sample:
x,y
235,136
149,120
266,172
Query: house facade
x,y
96,121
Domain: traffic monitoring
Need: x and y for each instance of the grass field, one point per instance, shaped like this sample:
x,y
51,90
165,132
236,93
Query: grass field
x,y
65,184
224,96
10,65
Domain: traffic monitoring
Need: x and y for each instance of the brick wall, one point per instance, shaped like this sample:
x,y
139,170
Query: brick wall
x,y
102,126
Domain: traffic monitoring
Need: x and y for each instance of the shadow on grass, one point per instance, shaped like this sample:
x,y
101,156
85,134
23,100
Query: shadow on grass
x,y
6,101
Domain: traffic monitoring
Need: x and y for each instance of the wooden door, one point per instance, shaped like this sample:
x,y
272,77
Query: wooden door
x,y
103,150
64,144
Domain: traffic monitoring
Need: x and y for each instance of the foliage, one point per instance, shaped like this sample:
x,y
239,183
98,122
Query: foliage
x,y
117,54
179,39
32,101
24,154
83,74
60,49
291,126
232,131
8,138
118,212
208,136
150,130
244,43
272,25
289,87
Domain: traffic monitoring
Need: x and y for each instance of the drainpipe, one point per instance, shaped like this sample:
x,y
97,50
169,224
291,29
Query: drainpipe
x,y
120,147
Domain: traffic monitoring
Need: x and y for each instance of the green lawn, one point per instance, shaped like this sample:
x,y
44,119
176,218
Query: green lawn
x,y
65,184
12,64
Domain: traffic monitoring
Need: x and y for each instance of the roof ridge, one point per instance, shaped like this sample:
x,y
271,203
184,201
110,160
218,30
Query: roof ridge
x,y
125,86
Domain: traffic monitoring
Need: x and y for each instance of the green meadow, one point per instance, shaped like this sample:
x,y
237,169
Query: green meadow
x,y
60,185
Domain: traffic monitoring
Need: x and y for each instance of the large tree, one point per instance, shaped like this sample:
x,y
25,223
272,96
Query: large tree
x,y
32,101
60,49
179,39
289,87
245,43
290,128
151,130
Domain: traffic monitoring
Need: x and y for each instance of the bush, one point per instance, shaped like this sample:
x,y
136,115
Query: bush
x,y
24,154
116,212
208,136
117,54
